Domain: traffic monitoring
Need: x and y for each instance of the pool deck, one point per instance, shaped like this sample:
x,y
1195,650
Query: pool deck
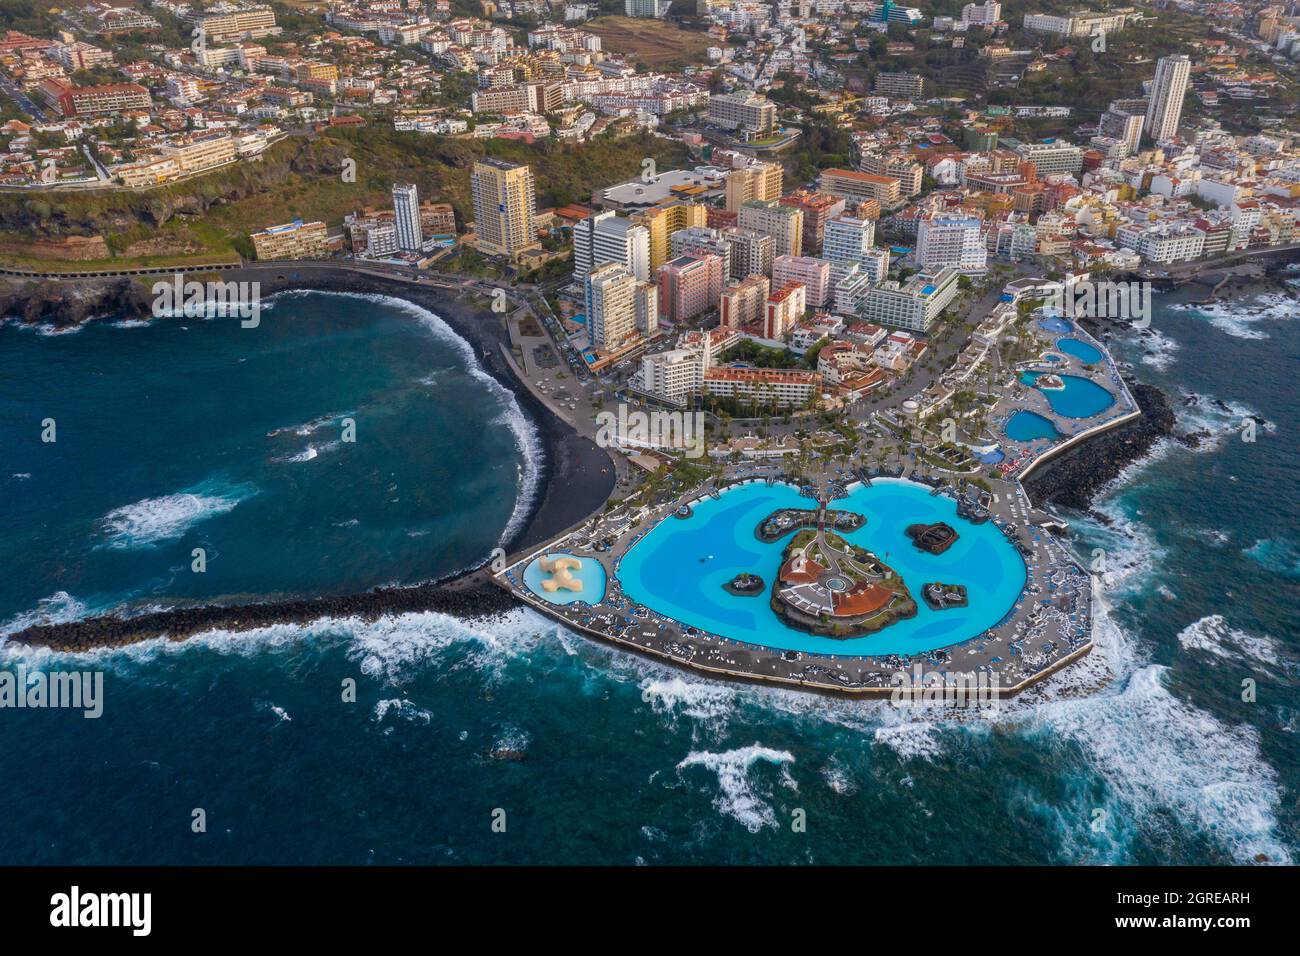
x,y
1049,627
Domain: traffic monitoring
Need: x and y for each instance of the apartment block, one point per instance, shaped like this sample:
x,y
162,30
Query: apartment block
x,y
292,240
783,223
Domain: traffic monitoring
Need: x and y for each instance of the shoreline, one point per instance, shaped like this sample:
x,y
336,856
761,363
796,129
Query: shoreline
x,y
573,481
571,464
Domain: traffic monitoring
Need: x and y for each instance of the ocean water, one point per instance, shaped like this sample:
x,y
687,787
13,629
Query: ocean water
x,y
1143,753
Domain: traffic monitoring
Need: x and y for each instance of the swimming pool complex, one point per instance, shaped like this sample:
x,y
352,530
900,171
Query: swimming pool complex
x,y
679,568
1080,398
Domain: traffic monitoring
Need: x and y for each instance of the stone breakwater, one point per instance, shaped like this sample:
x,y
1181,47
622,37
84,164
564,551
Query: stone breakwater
x,y
1072,478
470,595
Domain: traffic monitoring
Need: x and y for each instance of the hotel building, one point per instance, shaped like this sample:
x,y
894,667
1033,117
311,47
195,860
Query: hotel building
x,y
756,181
293,240
786,388
913,305
848,239
752,252
663,221
89,100
858,187
817,209
900,86
813,274
1165,108
744,302
689,286
505,208
783,223
406,217
611,307
944,240
784,310
604,238
749,112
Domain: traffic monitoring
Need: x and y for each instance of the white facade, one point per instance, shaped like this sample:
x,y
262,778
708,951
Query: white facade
x,y
1167,91
406,206
951,242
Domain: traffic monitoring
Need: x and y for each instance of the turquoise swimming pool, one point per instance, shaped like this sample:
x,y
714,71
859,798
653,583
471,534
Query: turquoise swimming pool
x,y
1085,353
1080,398
591,576
679,567
1028,426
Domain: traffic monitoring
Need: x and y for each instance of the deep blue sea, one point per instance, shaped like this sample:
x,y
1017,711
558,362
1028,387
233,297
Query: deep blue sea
x,y
192,433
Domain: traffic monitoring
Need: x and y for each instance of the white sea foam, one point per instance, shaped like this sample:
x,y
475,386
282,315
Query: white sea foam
x,y
1276,554
1159,350
401,708
310,453
1212,635
1240,319
1223,420
910,741
1158,752
839,779
739,797
59,608
699,700
282,715
152,520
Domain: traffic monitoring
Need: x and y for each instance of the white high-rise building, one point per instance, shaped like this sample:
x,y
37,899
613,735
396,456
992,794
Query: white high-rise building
x,y
984,13
848,238
605,238
955,242
1169,87
406,207
611,307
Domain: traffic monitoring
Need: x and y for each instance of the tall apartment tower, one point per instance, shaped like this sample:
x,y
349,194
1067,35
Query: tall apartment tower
x,y
758,180
604,237
505,207
1167,91
611,307
406,221
783,223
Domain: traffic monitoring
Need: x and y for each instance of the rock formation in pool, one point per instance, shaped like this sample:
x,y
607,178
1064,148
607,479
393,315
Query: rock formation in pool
x,y
745,585
935,538
940,596
830,587
784,520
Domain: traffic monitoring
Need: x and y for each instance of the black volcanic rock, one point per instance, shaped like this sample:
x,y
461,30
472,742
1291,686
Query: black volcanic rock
x,y
1072,478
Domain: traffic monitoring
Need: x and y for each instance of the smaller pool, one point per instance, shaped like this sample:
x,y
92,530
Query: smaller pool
x,y
991,457
1028,426
1054,323
591,577
1053,357
1085,353
1079,398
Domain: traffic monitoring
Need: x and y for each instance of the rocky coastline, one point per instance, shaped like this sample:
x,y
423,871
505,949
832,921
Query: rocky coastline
x,y
1073,478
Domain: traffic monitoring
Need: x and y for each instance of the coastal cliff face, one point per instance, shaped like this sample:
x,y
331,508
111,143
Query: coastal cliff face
x,y
1073,478
67,304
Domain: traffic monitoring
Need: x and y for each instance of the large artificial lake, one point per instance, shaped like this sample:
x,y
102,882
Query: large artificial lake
x,y
679,568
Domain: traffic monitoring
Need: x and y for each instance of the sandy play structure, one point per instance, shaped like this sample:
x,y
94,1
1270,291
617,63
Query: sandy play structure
x,y
561,571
